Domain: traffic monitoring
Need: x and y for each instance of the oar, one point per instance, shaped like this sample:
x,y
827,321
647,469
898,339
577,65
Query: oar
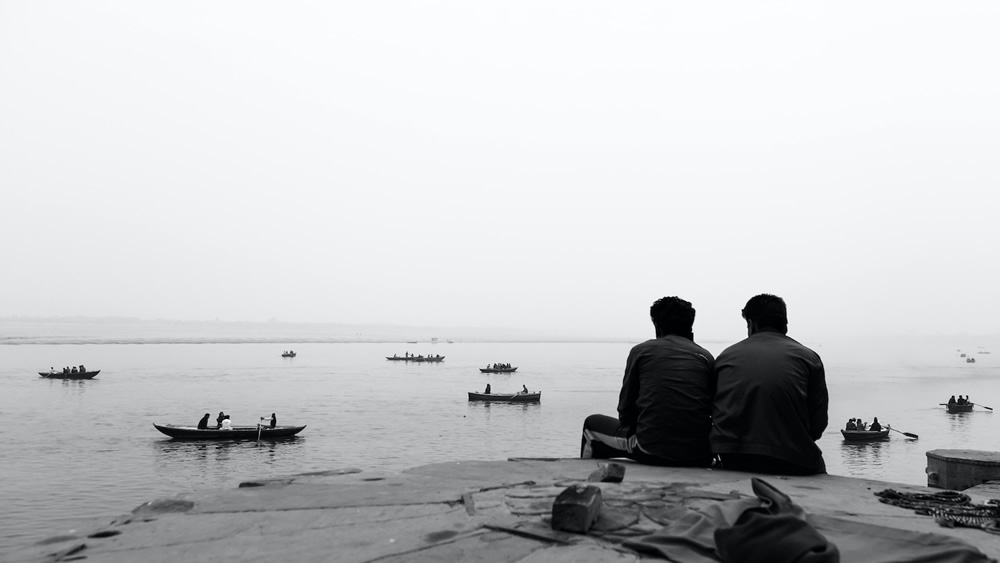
x,y
259,428
985,407
907,434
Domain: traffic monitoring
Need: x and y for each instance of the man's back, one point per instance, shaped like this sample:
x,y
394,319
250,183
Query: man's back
x,y
666,397
771,400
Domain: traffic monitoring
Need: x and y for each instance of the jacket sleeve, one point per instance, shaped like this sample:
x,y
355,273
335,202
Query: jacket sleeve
x,y
628,412
818,400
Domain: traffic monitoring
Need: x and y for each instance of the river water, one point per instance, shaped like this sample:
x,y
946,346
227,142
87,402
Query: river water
x,y
74,450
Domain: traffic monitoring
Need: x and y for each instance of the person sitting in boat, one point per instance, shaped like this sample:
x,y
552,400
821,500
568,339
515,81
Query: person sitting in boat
x,y
862,425
203,423
875,427
73,370
524,389
226,423
851,425
83,369
52,370
219,419
961,400
952,400
487,388
274,420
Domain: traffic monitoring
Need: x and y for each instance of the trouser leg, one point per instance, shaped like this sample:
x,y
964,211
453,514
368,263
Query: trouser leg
x,y
604,438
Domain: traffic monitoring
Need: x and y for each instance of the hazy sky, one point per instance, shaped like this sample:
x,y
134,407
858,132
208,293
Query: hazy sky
x,y
554,165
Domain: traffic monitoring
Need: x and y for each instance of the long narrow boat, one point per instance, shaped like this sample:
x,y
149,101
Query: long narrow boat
x,y
955,407
498,370
77,375
179,432
416,358
865,435
506,397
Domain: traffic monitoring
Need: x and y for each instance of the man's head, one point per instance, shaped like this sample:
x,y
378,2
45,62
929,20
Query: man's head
x,y
766,311
672,315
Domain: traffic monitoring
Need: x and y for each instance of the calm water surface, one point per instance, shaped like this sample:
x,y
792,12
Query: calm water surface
x,y
74,450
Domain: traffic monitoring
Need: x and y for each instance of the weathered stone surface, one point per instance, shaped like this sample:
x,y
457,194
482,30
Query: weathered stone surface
x,y
469,511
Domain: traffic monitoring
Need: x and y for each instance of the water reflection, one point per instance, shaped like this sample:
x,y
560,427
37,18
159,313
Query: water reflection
x,y
864,458
74,386
232,455
960,421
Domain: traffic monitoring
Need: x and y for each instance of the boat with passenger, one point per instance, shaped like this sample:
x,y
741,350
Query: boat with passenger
x,y
263,431
288,354
865,435
499,368
959,407
71,374
533,397
410,358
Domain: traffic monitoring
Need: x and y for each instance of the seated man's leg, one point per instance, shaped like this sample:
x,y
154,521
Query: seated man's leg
x,y
604,438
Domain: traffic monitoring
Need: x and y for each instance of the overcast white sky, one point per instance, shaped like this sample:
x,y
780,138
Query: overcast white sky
x,y
553,165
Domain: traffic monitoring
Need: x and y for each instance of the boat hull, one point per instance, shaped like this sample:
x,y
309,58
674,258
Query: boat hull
x,y
498,370
61,375
415,358
237,433
864,435
506,397
960,408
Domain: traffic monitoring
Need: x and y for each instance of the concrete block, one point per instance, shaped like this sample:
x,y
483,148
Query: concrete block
x,y
961,469
576,508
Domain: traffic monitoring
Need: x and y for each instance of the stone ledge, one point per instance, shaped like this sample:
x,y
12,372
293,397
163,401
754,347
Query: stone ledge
x,y
460,511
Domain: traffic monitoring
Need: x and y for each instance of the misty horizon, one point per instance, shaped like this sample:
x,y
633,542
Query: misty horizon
x,y
549,167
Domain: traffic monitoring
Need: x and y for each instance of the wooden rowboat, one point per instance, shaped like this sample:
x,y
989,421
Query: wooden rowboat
x,y
179,432
416,358
865,435
506,397
498,370
77,375
967,407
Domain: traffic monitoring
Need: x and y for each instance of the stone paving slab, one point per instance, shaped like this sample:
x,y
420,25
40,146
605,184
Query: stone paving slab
x,y
480,511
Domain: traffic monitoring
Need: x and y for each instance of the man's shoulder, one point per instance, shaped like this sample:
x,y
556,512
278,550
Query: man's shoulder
x,y
674,342
768,340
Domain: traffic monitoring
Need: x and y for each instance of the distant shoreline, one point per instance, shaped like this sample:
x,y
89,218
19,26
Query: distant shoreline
x,y
156,341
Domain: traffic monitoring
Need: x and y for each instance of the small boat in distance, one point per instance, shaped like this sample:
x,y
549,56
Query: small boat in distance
x,y
69,375
408,358
865,435
534,397
288,354
511,369
179,432
959,407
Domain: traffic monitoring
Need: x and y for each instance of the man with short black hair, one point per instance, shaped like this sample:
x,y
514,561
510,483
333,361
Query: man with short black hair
x,y
665,405
771,399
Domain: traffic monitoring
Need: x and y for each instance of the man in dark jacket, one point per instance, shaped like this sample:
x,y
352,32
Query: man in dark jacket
x,y
665,405
771,399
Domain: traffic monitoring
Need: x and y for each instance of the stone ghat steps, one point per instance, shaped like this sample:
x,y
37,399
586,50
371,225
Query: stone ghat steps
x,y
480,511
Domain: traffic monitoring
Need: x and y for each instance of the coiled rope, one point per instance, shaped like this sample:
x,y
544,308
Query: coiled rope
x,y
949,508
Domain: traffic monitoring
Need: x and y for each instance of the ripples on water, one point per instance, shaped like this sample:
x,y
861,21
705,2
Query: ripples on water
x,y
82,449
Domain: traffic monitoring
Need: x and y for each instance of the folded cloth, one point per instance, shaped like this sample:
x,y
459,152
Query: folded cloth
x,y
773,538
774,532
772,528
